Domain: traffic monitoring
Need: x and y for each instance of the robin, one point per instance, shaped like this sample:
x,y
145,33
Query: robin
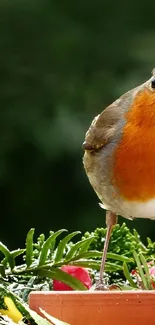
x,y
119,158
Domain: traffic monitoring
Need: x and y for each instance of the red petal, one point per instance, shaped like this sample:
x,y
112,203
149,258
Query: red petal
x,y
79,273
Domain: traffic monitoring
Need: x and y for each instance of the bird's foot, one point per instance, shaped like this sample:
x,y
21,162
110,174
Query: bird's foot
x,y
101,286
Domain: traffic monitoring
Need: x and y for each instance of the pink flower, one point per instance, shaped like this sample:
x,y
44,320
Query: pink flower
x,y
77,272
151,272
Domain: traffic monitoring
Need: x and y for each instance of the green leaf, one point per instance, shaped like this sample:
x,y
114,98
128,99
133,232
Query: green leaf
x,y
47,244
137,237
59,275
29,288
62,245
85,246
149,241
77,246
10,259
145,265
96,264
128,276
52,319
2,270
92,264
86,255
17,252
140,270
29,247
97,254
37,319
120,258
14,254
112,267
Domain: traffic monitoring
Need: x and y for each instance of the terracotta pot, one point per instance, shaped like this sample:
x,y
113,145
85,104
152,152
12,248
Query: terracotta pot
x,y
97,308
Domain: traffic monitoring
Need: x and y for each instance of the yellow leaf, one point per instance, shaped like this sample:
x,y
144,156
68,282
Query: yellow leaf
x,y
11,310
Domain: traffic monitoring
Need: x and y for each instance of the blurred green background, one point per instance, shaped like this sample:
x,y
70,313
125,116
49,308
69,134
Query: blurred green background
x,y
61,63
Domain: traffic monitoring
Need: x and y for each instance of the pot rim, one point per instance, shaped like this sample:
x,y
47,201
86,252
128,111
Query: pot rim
x,y
94,293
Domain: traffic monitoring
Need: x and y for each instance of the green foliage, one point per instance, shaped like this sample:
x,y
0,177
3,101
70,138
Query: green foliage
x,y
62,245
8,255
46,246
126,243
44,258
123,241
141,278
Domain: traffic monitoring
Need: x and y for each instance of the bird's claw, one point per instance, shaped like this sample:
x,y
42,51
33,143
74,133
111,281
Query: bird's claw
x,y
101,286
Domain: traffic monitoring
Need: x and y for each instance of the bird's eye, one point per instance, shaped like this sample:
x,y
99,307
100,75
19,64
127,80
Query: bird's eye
x,y
153,83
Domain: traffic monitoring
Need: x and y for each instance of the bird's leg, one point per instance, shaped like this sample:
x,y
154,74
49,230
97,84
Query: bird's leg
x,y
111,220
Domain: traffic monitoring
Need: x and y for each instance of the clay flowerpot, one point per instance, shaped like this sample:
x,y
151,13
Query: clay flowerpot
x,y
97,308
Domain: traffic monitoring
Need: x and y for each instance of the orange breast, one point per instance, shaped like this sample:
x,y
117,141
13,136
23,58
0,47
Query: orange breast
x,y
134,158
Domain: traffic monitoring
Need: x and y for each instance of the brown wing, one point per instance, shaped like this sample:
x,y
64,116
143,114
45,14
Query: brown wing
x,y
103,127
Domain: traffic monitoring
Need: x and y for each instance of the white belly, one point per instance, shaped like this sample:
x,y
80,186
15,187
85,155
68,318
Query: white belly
x,y
140,210
131,210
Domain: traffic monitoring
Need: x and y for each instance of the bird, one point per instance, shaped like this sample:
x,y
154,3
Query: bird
x,y
119,159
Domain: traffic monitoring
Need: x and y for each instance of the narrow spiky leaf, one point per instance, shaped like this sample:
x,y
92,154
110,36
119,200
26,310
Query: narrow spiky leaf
x,y
2,270
62,245
128,276
29,247
17,252
145,265
9,258
92,264
149,241
86,255
140,270
47,244
74,249
137,237
97,254
86,245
